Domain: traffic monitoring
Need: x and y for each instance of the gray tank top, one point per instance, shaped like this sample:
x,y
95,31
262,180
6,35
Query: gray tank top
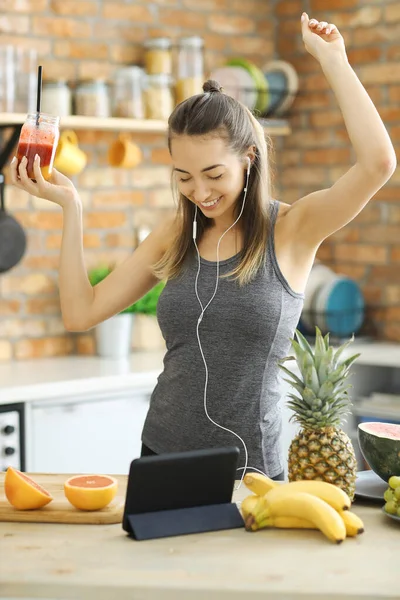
x,y
244,333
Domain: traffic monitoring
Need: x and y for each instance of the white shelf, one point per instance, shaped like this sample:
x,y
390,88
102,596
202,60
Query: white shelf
x,y
77,122
273,127
113,124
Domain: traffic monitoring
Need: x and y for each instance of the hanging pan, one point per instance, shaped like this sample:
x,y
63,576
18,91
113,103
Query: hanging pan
x,y
12,236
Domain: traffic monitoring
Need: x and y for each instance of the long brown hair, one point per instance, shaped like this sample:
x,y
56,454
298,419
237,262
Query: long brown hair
x,y
214,113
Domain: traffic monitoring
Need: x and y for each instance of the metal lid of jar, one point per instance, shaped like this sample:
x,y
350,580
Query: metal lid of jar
x,y
160,78
133,72
44,119
192,42
161,43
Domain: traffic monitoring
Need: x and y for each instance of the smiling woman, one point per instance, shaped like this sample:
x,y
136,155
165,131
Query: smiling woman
x,y
236,262
211,139
221,180
195,197
208,203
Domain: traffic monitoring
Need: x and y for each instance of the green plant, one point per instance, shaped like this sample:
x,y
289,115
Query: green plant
x,y
147,305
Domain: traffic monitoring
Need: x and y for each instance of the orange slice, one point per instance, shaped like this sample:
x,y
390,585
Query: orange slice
x,y
90,492
24,493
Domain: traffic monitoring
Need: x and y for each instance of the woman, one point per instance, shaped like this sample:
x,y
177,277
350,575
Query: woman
x,y
227,326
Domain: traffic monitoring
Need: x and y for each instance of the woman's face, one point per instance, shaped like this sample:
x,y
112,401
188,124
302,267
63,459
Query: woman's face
x,y
208,173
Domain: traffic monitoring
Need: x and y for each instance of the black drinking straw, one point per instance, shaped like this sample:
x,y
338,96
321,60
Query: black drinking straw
x,y
39,94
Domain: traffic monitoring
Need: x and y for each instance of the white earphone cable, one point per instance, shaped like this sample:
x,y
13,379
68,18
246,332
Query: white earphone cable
x,y
203,309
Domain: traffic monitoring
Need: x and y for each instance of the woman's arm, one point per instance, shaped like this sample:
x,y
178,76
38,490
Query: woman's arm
x,y
323,212
82,305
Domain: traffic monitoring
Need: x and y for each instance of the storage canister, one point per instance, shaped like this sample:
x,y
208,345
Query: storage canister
x,y
92,99
127,93
158,95
190,75
56,98
158,56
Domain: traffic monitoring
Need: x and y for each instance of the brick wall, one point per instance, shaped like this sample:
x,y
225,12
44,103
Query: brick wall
x,y
319,151
86,38
82,38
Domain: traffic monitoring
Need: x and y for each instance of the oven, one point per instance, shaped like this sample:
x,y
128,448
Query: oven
x,y
12,436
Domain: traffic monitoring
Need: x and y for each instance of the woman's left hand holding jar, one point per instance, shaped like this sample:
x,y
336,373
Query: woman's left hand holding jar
x,y
58,189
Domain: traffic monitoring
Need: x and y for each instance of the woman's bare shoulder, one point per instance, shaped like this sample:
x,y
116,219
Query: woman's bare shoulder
x,y
166,229
283,209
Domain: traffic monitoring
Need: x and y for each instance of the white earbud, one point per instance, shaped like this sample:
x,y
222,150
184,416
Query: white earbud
x,y
248,165
195,225
248,174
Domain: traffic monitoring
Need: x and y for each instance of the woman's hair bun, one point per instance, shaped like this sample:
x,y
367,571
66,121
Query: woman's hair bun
x,y
211,86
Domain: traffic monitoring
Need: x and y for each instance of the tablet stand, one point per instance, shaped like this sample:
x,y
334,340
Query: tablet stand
x,y
180,493
182,521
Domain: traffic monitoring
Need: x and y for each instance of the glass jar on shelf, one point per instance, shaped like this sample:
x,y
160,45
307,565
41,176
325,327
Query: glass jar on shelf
x,y
56,98
92,98
8,84
190,76
158,97
158,56
127,93
26,60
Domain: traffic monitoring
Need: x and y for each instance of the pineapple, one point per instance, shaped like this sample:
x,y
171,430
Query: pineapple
x,y
321,450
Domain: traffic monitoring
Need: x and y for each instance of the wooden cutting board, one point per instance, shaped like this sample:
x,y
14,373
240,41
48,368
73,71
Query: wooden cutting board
x,y
60,510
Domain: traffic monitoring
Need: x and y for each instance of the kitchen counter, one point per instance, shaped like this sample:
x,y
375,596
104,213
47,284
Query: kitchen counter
x,y
51,377
39,379
99,562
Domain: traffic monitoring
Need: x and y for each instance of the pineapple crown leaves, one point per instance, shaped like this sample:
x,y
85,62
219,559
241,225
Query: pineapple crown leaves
x,y
323,393
323,360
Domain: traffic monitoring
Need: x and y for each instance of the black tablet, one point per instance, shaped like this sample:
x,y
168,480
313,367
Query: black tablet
x,y
180,480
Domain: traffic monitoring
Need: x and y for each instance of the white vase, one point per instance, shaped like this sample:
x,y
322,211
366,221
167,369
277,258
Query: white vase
x,y
113,336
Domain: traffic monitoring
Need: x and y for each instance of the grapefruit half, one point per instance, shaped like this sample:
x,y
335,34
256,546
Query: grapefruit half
x,y
24,493
90,492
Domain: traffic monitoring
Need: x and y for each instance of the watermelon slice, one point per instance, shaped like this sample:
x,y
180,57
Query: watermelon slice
x,y
380,446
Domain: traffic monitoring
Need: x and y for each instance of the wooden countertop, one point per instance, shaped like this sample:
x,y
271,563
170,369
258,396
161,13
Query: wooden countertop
x,y
101,562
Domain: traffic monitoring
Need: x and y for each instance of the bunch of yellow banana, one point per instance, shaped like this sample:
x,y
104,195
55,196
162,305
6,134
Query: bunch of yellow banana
x,y
299,505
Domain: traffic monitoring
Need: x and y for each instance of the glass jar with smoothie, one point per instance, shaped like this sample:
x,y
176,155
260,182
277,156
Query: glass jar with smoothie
x,y
39,137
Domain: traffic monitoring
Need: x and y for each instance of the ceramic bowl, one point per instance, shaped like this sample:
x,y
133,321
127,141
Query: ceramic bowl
x,y
339,307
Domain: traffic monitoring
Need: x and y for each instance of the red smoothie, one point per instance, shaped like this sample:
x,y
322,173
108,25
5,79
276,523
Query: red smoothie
x,y
39,135
30,149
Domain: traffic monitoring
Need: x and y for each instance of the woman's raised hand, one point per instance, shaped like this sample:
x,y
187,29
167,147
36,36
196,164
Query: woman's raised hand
x,y
58,189
321,39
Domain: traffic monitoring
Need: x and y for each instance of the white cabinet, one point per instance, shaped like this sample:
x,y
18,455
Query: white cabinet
x,y
87,434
